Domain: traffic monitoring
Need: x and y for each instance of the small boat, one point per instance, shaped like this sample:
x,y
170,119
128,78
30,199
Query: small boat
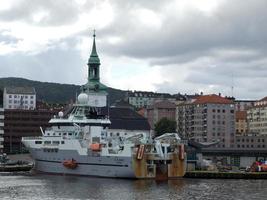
x,y
7,165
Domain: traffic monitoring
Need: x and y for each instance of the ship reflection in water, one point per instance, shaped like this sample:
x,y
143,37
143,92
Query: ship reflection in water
x,y
23,186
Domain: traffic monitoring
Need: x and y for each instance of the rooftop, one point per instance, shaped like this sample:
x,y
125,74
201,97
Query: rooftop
x,y
163,104
20,90
213,98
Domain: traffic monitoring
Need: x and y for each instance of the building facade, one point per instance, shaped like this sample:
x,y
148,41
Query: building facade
x,y
209,118
159,110
257,117
19,98
22,123
241,124
141,99
251,141
244,105
2,124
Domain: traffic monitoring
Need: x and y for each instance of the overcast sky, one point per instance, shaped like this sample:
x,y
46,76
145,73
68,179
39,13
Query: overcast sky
x,y
170,46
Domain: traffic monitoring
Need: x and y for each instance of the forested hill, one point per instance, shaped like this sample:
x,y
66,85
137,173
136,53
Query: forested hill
x,y
55,92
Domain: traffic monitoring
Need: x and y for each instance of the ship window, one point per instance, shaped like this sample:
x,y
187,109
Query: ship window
x,y
62,142
118,134
55,142
70,133
47,142
59,134
111,134
64,133
38,142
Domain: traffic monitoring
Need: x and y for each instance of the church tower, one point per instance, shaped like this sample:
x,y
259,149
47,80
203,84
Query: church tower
x,y
96,91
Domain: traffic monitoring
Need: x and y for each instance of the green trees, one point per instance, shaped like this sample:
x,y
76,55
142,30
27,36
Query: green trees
x,y
165,125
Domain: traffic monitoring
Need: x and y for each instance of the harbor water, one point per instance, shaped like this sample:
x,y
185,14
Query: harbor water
x,y
35,186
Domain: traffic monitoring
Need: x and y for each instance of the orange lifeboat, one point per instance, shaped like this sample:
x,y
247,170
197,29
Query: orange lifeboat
x,y
95,147
71,164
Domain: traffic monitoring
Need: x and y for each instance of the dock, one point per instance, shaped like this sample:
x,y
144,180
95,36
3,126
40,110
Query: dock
x,y
226,175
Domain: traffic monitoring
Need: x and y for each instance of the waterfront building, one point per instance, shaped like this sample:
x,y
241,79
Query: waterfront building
x,y
209,118
159,110
19,98
257,117
251,141
241,124
21,123
2,117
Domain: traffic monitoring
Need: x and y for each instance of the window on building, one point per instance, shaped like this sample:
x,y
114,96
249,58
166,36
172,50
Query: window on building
x,y
31,97
26,97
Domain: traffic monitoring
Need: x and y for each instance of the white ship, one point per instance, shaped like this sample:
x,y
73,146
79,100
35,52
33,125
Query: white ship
x,y
78,143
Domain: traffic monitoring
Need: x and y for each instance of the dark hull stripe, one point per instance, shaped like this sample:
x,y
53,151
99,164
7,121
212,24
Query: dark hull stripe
x,y
114,165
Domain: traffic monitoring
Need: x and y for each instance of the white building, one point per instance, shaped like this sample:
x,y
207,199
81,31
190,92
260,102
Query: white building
x,y
19,98
1,129
257,117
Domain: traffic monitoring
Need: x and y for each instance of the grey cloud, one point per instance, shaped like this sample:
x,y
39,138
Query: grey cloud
x,y
55,65
233,25
60,12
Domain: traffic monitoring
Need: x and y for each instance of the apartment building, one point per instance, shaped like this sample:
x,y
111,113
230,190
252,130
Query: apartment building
x,y
208,118
2,117
19,98
257,117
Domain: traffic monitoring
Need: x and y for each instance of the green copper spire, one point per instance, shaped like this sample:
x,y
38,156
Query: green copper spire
x,y
94,85
94,57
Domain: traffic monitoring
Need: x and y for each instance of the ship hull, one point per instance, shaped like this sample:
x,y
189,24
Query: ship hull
x,y
87,165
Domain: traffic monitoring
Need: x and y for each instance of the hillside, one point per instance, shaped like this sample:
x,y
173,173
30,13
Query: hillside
x,y
54,92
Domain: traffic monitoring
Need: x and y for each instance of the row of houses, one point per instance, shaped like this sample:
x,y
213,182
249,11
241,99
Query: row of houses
x,y
213,118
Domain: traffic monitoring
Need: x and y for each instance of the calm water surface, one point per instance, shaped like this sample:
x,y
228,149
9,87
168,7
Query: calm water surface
x,y
26,186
